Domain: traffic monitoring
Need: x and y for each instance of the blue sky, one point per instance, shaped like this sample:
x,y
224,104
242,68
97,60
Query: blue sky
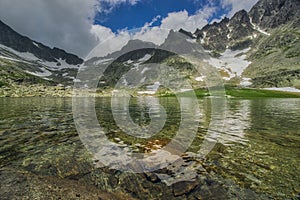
x,y
126,15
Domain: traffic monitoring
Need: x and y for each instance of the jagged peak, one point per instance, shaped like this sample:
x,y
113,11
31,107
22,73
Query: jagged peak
x,y
273,13
241,16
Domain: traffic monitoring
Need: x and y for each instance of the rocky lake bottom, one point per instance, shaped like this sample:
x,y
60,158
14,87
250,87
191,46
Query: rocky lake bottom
x,y
255,157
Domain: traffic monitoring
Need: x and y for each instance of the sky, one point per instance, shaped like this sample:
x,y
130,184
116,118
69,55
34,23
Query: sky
x,y
103,26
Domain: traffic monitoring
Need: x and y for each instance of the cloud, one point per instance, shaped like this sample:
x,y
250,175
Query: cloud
x,y
64,24
107,6
156,34
108,41
116,2
237,5
67,24
148,24
177,20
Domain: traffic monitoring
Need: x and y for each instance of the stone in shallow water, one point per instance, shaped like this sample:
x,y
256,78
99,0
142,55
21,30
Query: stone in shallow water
x,y
184,187
17,184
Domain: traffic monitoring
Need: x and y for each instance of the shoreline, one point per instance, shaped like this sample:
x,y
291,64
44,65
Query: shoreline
x,y
61,91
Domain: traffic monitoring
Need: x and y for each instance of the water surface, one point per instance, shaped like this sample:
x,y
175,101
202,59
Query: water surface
x,y
258,148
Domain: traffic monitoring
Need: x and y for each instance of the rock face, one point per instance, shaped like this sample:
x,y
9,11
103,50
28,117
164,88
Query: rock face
x,y
229,33
273,13
237,32
14,40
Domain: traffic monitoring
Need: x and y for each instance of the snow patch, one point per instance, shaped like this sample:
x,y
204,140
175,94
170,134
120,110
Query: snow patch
x,y
44,72
146,92
129,62
246,82
63,64
193,41
35,44
202,41
143,80
185,90
103,61
11,59
150,89
283,89
258,29
30,57
124,81
232,62
25,55
145,69
145,58
200,78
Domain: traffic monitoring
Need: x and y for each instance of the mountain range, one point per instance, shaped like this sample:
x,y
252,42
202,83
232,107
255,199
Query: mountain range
x,y
259,48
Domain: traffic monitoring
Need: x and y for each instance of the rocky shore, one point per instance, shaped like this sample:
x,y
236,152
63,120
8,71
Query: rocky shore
x,y
18,184
39,90
36,90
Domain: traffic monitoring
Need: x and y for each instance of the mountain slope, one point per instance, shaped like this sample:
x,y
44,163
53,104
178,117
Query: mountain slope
x,y
22,44
24,61
270,31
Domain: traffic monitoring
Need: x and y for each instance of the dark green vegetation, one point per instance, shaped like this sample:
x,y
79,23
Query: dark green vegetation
x,y
253,93
11,72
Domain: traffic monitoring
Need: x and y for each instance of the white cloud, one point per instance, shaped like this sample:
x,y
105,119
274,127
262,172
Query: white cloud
x,y
156,35
108,41
238,5
147,24
101,32
177,20
114,3
217,20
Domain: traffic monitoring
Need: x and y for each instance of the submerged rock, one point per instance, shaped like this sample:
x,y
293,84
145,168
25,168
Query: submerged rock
x,y
24,185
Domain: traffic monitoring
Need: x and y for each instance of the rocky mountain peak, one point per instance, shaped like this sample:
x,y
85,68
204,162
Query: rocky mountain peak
x,y
236,33
240,17
273,13
222,35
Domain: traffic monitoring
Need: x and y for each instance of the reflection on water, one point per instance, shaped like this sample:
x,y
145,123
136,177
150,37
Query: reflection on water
x,y
258,146
237,121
